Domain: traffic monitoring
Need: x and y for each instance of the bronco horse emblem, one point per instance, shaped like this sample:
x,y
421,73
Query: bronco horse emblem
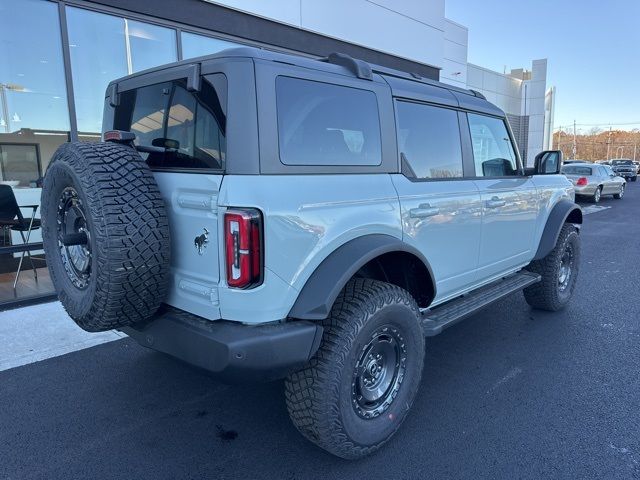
x,y
200,242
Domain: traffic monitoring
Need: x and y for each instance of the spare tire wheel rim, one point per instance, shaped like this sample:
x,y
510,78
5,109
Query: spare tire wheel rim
x,y
74,238
379,372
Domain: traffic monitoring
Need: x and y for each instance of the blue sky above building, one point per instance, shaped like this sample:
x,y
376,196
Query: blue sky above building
x,y
592,47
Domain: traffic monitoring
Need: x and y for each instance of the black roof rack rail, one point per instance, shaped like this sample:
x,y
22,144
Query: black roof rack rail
x,y
359,68
478,94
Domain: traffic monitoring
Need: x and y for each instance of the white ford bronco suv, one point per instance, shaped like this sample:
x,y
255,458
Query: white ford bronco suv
x,y
264,216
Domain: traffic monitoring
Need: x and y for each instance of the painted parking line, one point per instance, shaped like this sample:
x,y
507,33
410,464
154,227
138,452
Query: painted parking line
x,y
593,209
38,332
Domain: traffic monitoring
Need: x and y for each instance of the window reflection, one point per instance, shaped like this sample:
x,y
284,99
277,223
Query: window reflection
x,y
105,47
429,140
98,55
194,45
150,45
20,164
32,86
191,126
34,122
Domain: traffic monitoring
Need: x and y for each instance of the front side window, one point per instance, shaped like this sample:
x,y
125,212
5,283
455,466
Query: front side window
x,y
429,140
325,124
185,130
493,151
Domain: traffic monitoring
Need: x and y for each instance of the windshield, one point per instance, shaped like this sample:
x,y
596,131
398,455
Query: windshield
x,y
621,162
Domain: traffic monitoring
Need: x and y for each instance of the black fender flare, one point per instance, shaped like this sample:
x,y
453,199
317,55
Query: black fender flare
x,y
316,298
563,211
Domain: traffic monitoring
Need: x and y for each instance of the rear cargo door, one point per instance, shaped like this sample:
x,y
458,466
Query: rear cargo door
x,y
181,132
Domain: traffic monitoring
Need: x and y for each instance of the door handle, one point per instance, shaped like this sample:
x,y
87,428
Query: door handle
x,y
423,211
495,202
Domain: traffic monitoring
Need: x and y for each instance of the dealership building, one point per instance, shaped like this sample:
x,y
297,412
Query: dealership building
x,y
57,57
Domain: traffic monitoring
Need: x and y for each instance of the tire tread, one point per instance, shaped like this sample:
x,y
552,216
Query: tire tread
x,y
311,393
131,230
544,294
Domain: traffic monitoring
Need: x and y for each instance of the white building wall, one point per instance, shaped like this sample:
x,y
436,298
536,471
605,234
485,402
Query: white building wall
x,y
535,107
503,90
413,29
549,112
454,62
285,11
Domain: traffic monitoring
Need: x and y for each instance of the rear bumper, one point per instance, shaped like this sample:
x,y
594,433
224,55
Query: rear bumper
x,y
233,352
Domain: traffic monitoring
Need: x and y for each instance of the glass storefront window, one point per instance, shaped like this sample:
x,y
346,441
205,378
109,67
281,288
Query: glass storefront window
x,y
105,47
194,45
150,45
34,122
98,55
32,85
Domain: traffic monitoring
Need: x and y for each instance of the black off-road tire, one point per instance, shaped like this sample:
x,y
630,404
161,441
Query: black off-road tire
x,y
124,217
548,294
321,398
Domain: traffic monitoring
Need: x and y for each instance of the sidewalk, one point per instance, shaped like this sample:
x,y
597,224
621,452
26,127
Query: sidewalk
x,y
38,332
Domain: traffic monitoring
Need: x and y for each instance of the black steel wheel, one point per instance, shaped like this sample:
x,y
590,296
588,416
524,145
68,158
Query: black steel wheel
x,y
358,388
74,239
379,372
567,264
559,272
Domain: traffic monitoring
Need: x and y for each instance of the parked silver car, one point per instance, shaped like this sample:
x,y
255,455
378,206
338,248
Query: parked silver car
x,y
593,181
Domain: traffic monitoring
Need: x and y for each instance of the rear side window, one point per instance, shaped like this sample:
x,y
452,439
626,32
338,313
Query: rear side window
x,y
183,129
493,151
324,124
429,140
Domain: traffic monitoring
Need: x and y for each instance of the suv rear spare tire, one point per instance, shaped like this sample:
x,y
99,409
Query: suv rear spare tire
x,y
106,235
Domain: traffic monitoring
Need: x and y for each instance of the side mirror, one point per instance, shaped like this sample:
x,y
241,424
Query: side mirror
x,y
548,162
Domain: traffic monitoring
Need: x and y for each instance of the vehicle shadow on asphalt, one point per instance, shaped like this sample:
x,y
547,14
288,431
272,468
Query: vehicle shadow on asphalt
x,y
147,405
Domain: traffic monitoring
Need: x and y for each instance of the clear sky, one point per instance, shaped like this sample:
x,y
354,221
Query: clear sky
x,y
593,48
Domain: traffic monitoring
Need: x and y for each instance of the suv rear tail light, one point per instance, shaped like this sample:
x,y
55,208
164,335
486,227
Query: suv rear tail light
x,y
581,181
243,247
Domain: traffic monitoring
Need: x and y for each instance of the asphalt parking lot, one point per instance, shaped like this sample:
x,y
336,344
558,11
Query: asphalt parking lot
x,y
510,393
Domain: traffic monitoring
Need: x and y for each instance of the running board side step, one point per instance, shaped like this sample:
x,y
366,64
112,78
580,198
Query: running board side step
x,y
437,319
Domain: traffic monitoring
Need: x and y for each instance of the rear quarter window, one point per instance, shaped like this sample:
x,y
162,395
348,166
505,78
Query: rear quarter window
x,y
325,124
